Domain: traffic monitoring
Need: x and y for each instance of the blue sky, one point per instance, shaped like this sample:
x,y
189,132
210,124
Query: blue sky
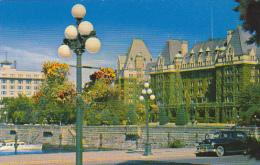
x,y
32,31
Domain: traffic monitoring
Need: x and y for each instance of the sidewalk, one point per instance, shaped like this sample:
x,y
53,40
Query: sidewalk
x,y
97,157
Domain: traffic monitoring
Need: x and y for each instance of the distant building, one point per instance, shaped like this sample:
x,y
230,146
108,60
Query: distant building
x,y
205,81
13,81
133,70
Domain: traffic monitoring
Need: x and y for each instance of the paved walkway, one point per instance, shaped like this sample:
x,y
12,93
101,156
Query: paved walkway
x,y
98,157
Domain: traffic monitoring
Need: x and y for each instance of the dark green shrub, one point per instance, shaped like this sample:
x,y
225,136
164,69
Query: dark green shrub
x,y
253,148
176,144
163,119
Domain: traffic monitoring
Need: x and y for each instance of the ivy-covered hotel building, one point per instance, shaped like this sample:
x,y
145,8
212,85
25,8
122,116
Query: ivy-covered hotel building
x,y
204,82
131,72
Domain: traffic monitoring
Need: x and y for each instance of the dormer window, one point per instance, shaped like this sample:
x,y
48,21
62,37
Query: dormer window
x,y
217,49
192,52
207,51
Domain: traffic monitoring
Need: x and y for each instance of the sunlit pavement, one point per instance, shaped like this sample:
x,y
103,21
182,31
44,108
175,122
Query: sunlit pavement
x,y
160,156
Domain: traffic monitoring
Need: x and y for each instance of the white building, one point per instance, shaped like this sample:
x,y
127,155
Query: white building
x,y
13,81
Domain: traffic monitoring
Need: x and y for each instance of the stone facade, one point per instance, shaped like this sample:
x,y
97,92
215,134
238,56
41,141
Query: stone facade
x,y
112,137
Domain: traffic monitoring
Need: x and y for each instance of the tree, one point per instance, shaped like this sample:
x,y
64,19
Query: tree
x,y
182,117
20,109
140,109
163,119
115,119
154,113
250,14
54,100
249,103
95,118
131,114
105,117
107,74
101,93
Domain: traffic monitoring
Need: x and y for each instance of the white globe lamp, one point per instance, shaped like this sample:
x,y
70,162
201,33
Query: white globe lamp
x,y
64,52
146,85
78,11
152,97
71,32
143,91
85,28
141,98
93,45
149,91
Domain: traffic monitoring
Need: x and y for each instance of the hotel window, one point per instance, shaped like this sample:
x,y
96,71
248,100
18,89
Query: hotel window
x,y
20,81
12,75
20,75
11,81
36,76
3,92
28,81
20,87
36,88
3,86
4,75
28,87
4,81
28,76
12,87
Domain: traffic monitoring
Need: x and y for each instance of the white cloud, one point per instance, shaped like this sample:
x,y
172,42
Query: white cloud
x,y
27,60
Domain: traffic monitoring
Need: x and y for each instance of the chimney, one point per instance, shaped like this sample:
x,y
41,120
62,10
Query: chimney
x,y
184,47
15,64
229,35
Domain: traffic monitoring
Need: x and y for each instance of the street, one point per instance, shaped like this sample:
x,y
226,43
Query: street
x,y
160,156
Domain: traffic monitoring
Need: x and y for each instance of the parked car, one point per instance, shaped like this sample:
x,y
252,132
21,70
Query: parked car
x,y
222,143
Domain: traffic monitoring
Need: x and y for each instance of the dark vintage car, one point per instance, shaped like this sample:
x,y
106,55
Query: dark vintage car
x,y
222,143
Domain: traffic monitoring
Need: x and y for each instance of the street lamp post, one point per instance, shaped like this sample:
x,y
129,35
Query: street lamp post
x,y
193,118
147,94
5,112
77,39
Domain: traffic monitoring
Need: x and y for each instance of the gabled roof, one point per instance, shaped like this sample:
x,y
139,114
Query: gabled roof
x,y
171,48
135,49
201,49
121,58
148,67
238,42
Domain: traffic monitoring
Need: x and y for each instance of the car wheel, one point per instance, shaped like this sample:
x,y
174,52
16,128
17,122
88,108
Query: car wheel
x,y
220,151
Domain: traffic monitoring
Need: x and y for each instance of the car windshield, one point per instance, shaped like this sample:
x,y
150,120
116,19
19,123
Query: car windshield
x,y
219,135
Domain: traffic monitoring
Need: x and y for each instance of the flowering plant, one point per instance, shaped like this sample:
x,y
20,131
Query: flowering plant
x,y
55,72
107,73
